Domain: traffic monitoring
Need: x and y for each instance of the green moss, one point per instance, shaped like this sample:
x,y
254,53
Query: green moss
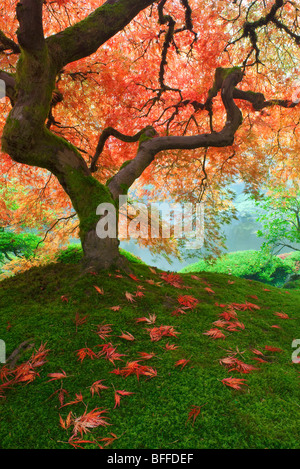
x,y
88,193
144,138
55,140
126,163
105,16
220,75
225,72
148,134
124,188
109,181
263,414
35,81
36,73
73,254
251,92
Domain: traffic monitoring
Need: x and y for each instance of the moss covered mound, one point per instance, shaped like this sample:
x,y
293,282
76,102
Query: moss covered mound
x,y
62,310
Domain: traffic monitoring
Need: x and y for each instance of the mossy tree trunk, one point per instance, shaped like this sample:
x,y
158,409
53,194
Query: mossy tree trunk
x,y
26,138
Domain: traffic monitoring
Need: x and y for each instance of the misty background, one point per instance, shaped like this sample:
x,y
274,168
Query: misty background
x,y
240,235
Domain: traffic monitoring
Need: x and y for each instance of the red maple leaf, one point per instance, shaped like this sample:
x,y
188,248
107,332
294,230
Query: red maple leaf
x,y
156,333
99,290
172,279
55,376
209,290
215,334
282,315
234,383
89,420
97,387
119,394
273,349
86,352
188,301
182,363
194,412
126,336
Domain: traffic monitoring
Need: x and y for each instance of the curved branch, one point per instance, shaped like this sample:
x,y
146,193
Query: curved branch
x,y
258,100
111,132
250,27
85,37
8,44
226,80
280,25
53,226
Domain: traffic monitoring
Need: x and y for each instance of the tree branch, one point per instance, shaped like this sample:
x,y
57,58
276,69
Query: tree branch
x,y
225,80
85,37
284,245
30,33
10,84
280,25
250,27
111,132
8,44
258,100
53,226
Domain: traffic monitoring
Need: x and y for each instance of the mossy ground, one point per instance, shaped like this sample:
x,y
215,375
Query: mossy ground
x,y
264,414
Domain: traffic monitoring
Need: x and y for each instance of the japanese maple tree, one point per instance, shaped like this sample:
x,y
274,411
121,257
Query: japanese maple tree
x,y
190,95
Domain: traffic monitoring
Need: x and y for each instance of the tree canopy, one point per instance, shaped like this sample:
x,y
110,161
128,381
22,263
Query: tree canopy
x,y
190,95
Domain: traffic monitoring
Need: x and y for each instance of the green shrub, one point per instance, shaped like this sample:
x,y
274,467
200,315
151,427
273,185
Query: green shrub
x,y
252,265
293,282
293,260
17,245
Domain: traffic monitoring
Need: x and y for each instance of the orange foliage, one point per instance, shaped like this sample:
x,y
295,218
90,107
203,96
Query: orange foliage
x,y
114,87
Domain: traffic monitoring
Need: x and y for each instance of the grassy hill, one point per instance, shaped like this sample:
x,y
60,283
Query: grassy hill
x,y
61,310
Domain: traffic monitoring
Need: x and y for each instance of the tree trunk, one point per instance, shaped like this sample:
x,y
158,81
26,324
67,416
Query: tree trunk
x,y
101,254
27,140
86,194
